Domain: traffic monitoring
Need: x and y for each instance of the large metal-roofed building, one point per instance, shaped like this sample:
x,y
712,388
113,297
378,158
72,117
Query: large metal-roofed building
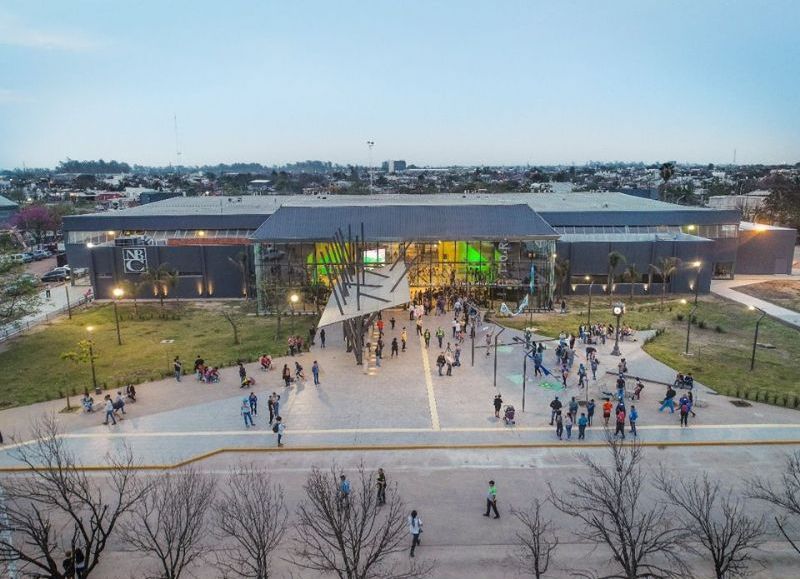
x,y
495,241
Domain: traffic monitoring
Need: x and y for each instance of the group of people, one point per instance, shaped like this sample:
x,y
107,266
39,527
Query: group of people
x,y
685,404
205,372
249,410
571,419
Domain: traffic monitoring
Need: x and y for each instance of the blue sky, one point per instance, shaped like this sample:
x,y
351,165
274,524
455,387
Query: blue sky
x,y
433,82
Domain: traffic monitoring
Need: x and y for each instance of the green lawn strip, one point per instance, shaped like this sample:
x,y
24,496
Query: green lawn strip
x,y
720,359
33,371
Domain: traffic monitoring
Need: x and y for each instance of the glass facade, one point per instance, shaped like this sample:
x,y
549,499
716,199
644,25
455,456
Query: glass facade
x,y
502,269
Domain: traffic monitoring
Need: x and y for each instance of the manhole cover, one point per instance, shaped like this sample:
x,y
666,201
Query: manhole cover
x,y
740,403
167,341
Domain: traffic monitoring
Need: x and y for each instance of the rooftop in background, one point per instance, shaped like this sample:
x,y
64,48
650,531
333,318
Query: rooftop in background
x,y
750,226
267,204
627,237
6,203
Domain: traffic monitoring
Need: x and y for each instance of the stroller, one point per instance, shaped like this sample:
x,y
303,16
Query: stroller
x,y
508,415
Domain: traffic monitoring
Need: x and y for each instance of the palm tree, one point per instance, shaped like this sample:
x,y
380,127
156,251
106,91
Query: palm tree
x,y
561,271
666,267
631,274
615,258
162,279
667,171
132,288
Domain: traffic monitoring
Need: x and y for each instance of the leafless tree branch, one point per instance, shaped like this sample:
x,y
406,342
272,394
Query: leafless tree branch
x,y
536,540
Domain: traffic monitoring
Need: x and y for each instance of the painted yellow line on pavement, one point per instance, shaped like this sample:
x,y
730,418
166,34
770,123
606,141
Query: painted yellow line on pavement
x,y
404,447
426,367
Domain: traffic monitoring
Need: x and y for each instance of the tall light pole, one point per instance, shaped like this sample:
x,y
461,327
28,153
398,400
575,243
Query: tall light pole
x,y
89,330
589,314
689,325
696,285
617,309
370,144
118,293
755,337
292,301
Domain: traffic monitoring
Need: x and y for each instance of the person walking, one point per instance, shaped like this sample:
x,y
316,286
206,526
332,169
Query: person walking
x,y
110,411
491,500
419,326
684,408
489,344
456,327
555,407
253,401
279,429
344,489
594,364
607,411
669,401
177,367
271,407
378,353
322,338
403,338
392,322
395,348
690,396
620,423
415,528
498,403
573,407
312,333
582,422
590,412
381,486
276,403
581,375
457,355
632,418
286,374
440,335
440,362
559,425
315,372
246,413
427,337
568,423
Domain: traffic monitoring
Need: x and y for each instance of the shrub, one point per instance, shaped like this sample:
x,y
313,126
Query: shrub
x,y
701,324
679,317
718,329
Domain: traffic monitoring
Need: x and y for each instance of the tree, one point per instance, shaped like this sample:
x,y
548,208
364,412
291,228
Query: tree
x,y
19,293
666,171
615,258
351,538
251,514
536,540
34,220
631,275
785,496
561,271
274,299
666,268
782,205
717,521
132,287
170,520
242,264
234,322
84,354
162,279
609,505
56,504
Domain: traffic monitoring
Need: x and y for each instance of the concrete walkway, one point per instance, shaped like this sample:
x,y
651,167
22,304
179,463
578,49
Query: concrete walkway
x,y
726,288
404,403
50,308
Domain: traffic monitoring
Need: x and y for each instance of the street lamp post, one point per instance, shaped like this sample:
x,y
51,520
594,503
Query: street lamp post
x,y
292,301
755,336
496,336
617,309
696,286
69,306
89,329
589,314
118,293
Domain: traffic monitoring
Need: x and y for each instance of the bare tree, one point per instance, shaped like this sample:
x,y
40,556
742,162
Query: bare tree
x,y
611,510
170,520
536,540
55,507
234,322
717,520
352,538
785,496
251,514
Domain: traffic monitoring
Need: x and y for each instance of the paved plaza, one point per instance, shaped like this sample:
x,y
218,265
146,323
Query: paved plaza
x,y
402,403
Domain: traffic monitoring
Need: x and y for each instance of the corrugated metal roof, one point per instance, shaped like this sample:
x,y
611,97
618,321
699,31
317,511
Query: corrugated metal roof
x,y
406,222
7,203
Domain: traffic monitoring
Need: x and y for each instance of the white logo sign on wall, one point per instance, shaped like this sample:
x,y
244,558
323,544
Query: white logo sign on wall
x,y
134,259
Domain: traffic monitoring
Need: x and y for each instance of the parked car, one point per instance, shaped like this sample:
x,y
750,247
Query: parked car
x,y
41,254
17,258
55,275
27,257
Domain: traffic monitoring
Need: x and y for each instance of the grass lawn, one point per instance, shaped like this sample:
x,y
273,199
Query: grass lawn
x,y
33,371
721,359
783,293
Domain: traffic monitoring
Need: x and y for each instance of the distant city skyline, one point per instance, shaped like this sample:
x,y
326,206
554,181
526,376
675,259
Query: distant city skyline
x,y
434,83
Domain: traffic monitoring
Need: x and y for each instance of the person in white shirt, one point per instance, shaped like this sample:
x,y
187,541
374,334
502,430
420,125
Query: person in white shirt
x,y
415,528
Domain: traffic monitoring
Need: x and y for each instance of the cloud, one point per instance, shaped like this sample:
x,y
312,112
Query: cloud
x,y
14,32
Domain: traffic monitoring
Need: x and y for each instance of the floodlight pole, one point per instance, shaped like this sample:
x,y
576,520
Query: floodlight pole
x,y
496,336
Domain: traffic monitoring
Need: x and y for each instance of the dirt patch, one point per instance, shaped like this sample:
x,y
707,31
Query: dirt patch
x,y
785,293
